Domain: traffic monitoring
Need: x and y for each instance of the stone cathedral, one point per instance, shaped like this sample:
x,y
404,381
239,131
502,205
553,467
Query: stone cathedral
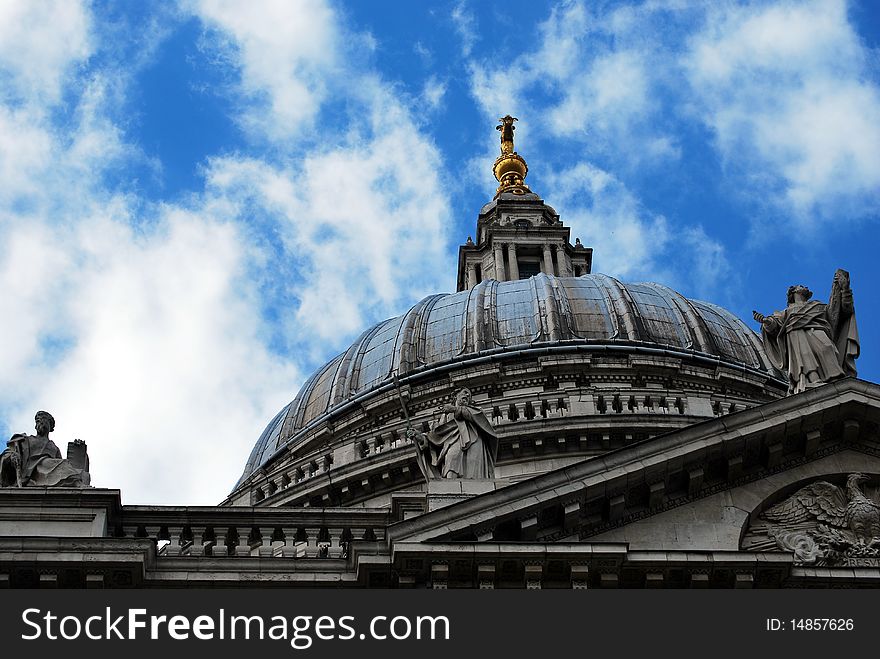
x,y
544,426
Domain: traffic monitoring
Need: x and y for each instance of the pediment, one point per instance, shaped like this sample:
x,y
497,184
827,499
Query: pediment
x,y
832,428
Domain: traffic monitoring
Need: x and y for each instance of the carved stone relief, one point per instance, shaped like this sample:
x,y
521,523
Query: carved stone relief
x,y
830,522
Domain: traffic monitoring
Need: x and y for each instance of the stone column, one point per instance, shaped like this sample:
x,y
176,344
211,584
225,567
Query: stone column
x,y
499,263
471,275
548,261
514,266
563,262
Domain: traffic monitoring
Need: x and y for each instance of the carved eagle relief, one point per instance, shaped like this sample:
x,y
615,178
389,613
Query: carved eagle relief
x,y
822,523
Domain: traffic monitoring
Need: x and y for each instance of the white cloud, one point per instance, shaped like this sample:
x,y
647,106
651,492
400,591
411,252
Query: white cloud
x,y
285,51
606,100
465,25
433,93
785,91
633,243
40,43
710,274
593,76
146,342
362,215
368,242
628,240
142,326
165,366
424,53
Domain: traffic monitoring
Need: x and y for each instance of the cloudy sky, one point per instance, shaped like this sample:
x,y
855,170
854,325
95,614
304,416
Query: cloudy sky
x,y
202,202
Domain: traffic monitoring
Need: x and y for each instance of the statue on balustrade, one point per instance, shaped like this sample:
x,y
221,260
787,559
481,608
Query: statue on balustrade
x,y
814,342
461,444
34,460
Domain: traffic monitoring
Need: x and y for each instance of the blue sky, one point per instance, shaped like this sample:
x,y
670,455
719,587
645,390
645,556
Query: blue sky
x,y
202,202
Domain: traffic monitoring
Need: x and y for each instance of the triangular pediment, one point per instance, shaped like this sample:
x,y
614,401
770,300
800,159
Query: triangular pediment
x,y
832,428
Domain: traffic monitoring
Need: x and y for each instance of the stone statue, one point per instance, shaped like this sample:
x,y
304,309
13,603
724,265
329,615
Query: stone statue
x,y
34,460
462,444
506,127
823,524
816,343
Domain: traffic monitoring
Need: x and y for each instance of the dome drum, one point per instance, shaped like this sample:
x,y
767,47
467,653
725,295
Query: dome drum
x,y
549,407
533,351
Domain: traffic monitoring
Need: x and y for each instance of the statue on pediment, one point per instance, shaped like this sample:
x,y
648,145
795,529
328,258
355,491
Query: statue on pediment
x,y
461,444
823,524
34,460
813,342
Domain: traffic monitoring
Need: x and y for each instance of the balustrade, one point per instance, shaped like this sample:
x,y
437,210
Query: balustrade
x,y
268,533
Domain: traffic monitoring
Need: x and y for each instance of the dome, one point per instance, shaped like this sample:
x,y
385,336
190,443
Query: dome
x,y
543,312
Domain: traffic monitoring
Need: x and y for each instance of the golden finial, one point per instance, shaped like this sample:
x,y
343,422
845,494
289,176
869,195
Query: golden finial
x,y
510,168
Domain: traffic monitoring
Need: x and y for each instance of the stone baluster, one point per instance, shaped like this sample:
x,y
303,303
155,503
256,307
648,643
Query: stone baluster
x,y
312,535
243,546
580,576
609,579
48,579
744,579
287,547
534,573
174,537
486,576
439,575
699,578
197,548
654,579
94,580
335,534
266,549
219,547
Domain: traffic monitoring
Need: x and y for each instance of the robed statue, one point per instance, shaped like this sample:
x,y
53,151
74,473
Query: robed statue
x,y
461,444
506,127
34,460
814,342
